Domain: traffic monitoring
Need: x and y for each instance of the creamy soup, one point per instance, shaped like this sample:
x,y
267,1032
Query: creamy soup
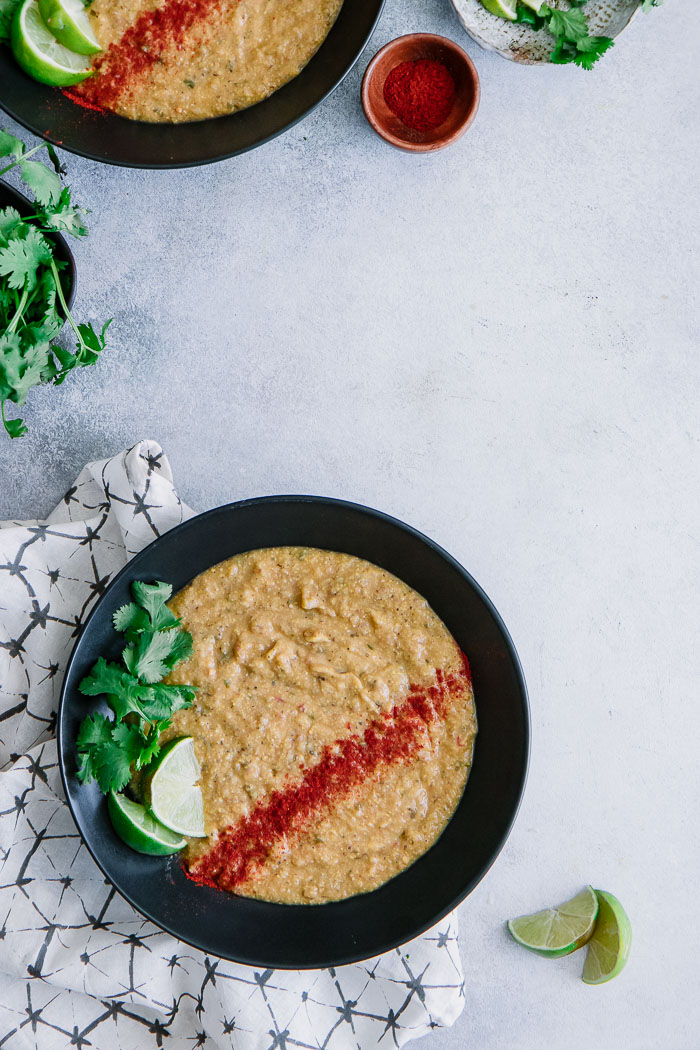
x,y
170,61
334,724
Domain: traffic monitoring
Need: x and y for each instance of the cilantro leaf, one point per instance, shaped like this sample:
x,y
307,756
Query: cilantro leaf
x,y
105,678
152,597
125,693
59,168
564,52
572,42
44,183
10,364
9,145
43,309
148,659
91,344
65,217
590,49
94,731
120,687
571,25
130,619
159,701
22,256
181,648
151,745
15,427
112,761
20,367
107,750
10,219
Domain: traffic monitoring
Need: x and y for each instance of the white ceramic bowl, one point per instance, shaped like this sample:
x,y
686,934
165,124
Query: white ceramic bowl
x,y
521,43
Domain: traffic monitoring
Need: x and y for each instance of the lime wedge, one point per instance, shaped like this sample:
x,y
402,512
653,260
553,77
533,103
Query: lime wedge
x,y
139,829
534,5
69,22
170,791
502,8
558,931
38,52
609,947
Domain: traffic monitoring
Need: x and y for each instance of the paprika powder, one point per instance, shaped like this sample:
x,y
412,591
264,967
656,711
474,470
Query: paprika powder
x,y
397,736
420,93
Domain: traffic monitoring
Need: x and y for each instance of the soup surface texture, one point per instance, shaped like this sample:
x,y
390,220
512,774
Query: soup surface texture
x,y
169,61
334,724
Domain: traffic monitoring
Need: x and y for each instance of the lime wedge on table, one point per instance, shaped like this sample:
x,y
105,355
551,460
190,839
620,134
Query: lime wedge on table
x,y
139,829
609,947
558,931
170,788
502,8
38,52
69,22
534,5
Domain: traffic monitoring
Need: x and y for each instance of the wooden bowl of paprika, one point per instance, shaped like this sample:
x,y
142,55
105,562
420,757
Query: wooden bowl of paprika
x,y
420,92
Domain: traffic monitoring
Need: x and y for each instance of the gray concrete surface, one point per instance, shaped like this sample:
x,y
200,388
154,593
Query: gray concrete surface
x,y
499,344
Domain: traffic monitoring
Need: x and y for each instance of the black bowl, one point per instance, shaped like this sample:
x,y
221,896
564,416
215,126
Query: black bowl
x,y
107,137
298,936
10,197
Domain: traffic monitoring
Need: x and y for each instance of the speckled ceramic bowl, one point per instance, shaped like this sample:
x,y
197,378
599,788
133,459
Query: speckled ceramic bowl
x,y
132,143
521,43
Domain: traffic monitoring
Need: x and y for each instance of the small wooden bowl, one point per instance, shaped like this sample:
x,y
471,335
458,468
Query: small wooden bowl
x,y
411,48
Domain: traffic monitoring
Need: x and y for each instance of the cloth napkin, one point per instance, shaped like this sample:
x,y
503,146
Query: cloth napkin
x,y
78,965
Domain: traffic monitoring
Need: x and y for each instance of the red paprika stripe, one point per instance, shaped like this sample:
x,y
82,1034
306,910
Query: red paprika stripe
x,y
346,764
141,46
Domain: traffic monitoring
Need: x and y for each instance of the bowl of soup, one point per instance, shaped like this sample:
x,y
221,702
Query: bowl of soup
x,y
361,722
178,85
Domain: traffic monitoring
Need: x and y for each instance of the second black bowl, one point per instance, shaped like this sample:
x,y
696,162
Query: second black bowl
x,y
107,137
297,936
12,198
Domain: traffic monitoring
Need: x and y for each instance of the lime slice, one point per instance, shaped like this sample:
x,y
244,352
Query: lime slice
x,y
609,947
38,52
558,931
70,24
170,791
502,8
534,5
139,829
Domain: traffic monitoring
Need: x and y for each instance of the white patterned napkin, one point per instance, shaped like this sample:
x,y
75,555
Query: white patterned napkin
x,y
78,966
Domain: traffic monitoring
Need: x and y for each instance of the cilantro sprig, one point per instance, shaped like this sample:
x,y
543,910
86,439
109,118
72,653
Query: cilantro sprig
x,y
142,705
33,305
572,41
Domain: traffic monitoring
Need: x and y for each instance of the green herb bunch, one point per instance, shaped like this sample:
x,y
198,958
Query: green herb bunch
x,y
142,705
33,307
572,41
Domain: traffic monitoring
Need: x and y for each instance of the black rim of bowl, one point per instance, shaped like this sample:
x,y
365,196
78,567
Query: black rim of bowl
x,y
47,114
10,197
355,948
